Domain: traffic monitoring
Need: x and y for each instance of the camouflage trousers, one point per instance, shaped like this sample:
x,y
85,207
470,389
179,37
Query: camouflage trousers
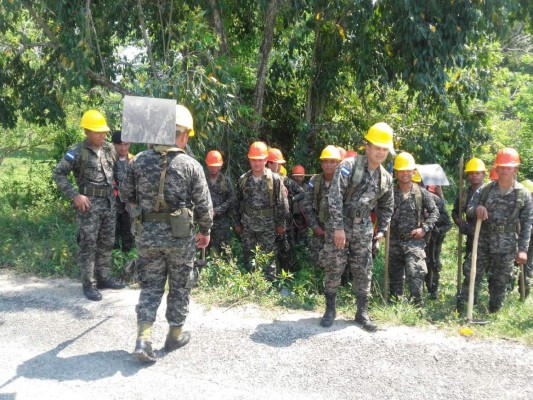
x,y
357,254
316,244
299,230
155,265
266,240
407,262
96,236
285,249
124,239
220,234
499,270
433,263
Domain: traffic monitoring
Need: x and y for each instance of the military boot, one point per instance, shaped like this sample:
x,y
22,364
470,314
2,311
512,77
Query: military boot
x,y
176,338
362,317
329,315
92,293
143,347
110,283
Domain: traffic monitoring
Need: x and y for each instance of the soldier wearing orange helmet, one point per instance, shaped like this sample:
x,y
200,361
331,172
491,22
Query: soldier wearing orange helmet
x,y
502,206
260,209
223,199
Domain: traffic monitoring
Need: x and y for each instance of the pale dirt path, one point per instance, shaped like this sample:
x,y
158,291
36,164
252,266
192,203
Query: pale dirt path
x,y
55,344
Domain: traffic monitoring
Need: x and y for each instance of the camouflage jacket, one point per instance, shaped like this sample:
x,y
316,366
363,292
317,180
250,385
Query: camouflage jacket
x,y
253,197
184,182
504,222
297,197
317,190
459,211
407,217
444,223
99,170
369,193
222,195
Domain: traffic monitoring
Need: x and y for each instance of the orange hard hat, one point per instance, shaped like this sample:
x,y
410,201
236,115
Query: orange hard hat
x,y
342,152
351,153
214,159
258,151
298,170
275,155
507,157
493,176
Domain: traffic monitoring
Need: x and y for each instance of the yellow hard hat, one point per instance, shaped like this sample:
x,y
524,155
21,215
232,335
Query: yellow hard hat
x,y
330,152
94,121
528,185
282,170
404,162
184,118
380,134
416,177
475,165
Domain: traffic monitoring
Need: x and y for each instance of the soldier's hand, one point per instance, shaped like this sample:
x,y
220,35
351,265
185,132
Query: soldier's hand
x,y
418,233
339,238
280,230
521,257
318,231
482,213
238,229
82,203
202,241
378,236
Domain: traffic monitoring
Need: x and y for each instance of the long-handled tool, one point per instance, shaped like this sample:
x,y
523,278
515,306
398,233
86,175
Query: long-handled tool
x,y
522,283
473,268
386,267
200,263
459,234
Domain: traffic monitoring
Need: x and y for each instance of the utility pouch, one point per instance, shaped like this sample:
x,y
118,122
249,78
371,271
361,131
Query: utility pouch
x,y
136,219
323,212
182,222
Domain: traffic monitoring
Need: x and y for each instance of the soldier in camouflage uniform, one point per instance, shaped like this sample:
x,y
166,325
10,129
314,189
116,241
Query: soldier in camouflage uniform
x,y
93,163
260,210
299,219
163,200
317,192
408,229
528,267
124,239
295,194
475,174
504,206
223,198
359,184
436,239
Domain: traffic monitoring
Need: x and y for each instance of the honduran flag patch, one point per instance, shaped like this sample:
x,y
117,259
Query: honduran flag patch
x,y
345,171
69,156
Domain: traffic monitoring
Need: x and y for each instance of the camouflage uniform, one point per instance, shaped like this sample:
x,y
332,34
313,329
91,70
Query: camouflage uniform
x,y
259,213
467,227
295,195
498,241
354,218
434,246
94,178
299,219
406,254
124,239
160,254
223,198
528,268
317,192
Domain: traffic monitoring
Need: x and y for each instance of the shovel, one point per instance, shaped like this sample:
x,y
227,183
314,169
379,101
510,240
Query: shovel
x,y
473,278
522,283
200,263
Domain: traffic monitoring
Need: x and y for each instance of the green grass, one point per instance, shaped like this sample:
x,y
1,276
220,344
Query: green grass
x,y
38,236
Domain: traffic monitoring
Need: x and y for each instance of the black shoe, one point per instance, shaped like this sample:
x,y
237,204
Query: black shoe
x,y
172,344
366,323
92,293
110,284
143,351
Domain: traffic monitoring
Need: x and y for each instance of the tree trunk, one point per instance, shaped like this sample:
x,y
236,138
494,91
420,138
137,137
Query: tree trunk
x,y
218,25
264,54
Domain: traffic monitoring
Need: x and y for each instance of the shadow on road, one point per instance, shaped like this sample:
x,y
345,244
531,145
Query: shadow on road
x,y
85,367
286,333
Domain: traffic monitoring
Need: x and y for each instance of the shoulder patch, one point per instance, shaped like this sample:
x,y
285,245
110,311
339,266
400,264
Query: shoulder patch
x,y
345,171
69,155
311,183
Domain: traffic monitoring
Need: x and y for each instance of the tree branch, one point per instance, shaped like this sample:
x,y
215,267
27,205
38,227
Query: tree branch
x,y
147,42
102,80
41,23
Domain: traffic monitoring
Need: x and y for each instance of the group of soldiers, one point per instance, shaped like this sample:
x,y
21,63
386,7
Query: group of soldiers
x,y
172,207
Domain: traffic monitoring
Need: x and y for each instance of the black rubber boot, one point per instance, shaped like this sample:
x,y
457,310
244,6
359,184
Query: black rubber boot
x,y
329,315
143,351
92,293
362,317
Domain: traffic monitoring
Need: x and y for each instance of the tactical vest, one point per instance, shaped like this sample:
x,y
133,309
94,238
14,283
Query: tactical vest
x,y
520,196
357,177
270,184
85,158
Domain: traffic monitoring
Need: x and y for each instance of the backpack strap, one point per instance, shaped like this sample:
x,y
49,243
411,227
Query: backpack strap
x,y
317,183
357,177
418,202
160,200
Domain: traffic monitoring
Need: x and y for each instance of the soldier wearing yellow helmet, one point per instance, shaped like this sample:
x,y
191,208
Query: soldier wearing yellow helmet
x,y
93,164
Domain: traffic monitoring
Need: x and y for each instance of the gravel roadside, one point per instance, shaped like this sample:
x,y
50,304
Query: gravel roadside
x,y
56,344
